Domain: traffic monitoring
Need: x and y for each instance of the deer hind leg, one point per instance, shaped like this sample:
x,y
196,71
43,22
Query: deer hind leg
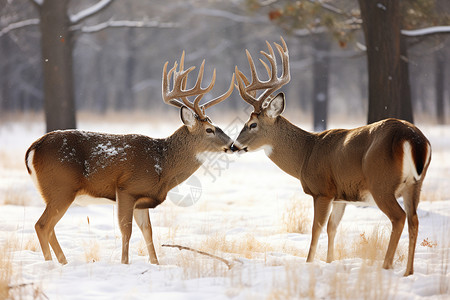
x,y
322,207
333,223
411,197
125,207
390,207
45,229
142,218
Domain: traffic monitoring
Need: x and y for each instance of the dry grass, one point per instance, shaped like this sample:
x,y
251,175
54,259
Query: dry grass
x,y
91,251
15,196
6,270
297,216
371,247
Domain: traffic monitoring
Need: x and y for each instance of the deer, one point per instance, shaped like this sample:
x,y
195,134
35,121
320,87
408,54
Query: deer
x,y
132,170
375,163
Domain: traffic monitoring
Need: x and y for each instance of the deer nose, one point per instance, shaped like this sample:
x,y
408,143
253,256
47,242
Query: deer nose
x,y
234,148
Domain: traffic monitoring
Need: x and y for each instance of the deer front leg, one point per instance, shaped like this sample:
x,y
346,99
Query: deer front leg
x,y
125,207
322,207
142,218
333,223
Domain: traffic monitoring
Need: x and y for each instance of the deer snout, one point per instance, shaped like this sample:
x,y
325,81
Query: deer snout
x,y
233,148
237,147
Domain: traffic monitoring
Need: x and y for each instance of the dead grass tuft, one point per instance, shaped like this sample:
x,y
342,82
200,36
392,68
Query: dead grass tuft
x,y
13,196
370,247
6,270
92,251
297,216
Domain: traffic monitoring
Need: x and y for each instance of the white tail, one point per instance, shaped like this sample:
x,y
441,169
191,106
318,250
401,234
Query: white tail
x,y
134,170
381,161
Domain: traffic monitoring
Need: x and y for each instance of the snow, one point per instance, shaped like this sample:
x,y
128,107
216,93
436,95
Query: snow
x,y
426,31
239,217
89,11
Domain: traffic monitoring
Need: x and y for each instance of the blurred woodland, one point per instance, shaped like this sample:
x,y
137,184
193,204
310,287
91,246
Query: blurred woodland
x,y
116,54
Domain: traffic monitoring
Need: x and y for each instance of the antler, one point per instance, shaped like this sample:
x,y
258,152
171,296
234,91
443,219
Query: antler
x,y
179,88
248,90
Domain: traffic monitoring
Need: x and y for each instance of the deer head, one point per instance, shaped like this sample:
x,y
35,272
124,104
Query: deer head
x,y
193,114
266,108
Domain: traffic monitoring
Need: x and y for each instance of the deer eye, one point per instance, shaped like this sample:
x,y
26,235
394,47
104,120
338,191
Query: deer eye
x,y
253,125
209,130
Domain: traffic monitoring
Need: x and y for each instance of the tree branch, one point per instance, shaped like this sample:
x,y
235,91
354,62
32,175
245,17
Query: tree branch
x,y
122,24
426,31
229,15
228,263
18,25
92,10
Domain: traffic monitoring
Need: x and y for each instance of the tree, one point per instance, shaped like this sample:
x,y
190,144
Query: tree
x,y
386,49
58,30
56,46
389,90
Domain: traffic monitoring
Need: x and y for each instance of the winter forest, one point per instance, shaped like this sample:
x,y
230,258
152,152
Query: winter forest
x,y
230,224
115,53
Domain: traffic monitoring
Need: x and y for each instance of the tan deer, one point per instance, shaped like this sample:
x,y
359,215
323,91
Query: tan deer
x,y
375,163
134,170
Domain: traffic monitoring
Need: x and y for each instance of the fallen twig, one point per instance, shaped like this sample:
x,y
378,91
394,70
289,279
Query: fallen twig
x,y
227,262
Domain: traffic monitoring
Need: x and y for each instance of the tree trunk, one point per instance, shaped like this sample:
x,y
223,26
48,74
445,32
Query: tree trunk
x,y
56,45
321,70
389,88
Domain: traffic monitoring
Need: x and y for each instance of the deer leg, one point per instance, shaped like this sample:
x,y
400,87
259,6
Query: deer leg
x,y
125,207
333,223
42,232
142,218
391,208
45,229
322,207
411,198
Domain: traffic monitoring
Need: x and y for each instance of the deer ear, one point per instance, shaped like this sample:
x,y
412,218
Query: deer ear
x,y
187,117
276,106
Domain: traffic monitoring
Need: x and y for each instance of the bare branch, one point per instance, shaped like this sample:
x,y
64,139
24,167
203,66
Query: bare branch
x,y
427,31
228,263
122,24
18,25
228,15
92,10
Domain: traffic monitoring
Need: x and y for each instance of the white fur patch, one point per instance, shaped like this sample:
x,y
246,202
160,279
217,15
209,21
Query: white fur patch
x,y
267,149
366,199
409,167
32,169
85,200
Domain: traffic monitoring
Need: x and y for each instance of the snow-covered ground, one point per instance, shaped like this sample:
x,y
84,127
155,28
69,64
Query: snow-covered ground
x,y
245,210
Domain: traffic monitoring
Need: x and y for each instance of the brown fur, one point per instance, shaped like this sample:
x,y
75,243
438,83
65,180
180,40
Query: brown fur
x,y
134,170
342,164
338,164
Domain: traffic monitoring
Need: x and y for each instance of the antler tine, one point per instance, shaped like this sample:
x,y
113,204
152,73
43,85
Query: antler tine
x,y
165,86
255,78
245,95
247,91
220,98
179,90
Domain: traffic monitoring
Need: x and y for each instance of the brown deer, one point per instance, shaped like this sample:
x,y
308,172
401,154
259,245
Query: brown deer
x,y
375,163
134,170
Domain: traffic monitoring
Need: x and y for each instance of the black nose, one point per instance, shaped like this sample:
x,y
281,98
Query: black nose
x,y
234,148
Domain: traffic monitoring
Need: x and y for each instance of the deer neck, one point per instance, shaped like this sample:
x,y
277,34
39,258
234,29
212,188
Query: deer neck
x,y
179,160
291,146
